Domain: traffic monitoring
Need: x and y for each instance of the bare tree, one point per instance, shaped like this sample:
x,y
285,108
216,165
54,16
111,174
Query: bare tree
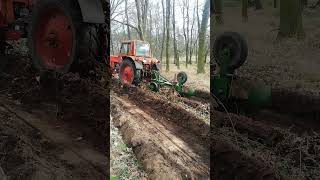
x,y
218,11
202,37
291,19
258,4
139,17
127,18
164,28
176,54
168,35
185,14
244,10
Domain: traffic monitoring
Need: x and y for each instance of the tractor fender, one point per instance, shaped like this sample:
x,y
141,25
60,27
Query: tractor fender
x,y
92,11
138,64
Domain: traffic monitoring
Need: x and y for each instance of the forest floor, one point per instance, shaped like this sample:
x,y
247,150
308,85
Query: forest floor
x,y
49,128
280,141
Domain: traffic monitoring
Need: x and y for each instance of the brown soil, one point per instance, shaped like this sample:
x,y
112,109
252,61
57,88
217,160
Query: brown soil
x,y
70,111
35,145
282,140
168,140
284,153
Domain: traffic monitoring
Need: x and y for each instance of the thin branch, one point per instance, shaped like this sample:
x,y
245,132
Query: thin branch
x,y
126,24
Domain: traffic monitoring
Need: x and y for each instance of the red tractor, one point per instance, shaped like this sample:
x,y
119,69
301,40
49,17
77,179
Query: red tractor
x,y
63,35
134,62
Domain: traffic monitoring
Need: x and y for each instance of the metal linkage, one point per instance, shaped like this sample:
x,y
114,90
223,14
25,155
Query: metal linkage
x,y
158,81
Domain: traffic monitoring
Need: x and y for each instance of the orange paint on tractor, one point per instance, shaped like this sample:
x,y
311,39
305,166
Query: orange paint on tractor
x,y
137,51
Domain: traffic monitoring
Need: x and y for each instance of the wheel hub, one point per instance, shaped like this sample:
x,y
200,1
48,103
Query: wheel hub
x,y
54,39
127,75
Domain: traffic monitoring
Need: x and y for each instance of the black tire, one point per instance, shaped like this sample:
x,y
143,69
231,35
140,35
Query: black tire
x,y
86,43
238,46
2,42
89,51
136,75
182,77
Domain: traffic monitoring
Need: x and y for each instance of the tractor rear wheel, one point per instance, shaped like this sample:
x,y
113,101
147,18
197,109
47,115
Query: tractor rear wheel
x,y
59,40
128,73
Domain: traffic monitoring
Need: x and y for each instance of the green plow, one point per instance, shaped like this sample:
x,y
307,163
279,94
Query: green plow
x,y
158,81
230,51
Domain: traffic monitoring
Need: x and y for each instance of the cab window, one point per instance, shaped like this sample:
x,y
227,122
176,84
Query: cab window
x,y
124,48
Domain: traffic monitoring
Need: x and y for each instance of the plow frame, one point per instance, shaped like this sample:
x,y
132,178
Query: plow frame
x,y
158,81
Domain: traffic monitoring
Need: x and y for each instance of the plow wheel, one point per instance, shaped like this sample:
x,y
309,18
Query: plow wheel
x,y
59,40
182,77
128,73
232,45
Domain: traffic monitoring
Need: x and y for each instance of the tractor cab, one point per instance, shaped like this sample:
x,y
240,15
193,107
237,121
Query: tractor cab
x,y
139,51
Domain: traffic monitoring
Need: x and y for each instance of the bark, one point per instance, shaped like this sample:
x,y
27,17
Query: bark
x,y
258,4
163,29
202,37
185,13
127,18
291,19
244,10
191,45
168,35
176,54
218,11
140,30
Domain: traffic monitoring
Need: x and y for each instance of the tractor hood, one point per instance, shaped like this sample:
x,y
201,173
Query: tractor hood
x,y
148,60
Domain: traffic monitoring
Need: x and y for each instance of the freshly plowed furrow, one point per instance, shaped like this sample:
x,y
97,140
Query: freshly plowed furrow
x,y
166,149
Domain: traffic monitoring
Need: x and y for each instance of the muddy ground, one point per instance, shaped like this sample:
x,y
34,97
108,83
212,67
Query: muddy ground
x,y
280,140
66,113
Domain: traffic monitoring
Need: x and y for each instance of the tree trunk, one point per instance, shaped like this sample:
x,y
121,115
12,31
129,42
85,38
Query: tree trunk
x,y
202,37
127,18
244,10
140,30
163,29
291,19
258,4
305,2
168,35
218,6
185,32
176,54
